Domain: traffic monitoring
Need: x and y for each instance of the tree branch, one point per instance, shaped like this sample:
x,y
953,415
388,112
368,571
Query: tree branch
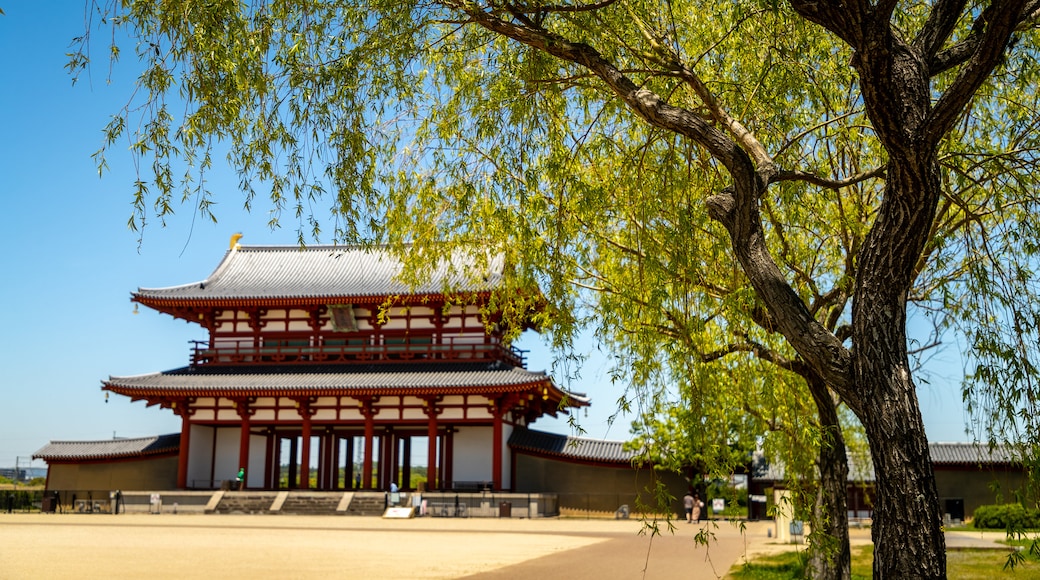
x,y
797,175
940,25
735,208
542,8
645,103
841,18
1000,20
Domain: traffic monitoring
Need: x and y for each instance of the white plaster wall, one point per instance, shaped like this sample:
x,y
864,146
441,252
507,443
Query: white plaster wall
x,y
226,464
351,414
361,316
507,464
414,414
479,412
200,447
398,323
224,342
472,454
228,414
257,457
454,413
324,415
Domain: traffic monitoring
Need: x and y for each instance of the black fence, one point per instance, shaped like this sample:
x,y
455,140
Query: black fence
x,y
490,505
19,500
612,505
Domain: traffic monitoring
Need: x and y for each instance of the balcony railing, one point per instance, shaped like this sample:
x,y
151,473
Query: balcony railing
x,y
203,354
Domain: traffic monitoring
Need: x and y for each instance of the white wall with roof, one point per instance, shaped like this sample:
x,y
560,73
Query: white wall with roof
x,y
213,457
199,457
471,454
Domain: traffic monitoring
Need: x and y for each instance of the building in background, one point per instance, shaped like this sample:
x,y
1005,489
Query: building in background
x,y
321,370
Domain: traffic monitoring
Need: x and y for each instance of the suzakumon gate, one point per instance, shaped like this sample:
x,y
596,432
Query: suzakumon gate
x,y
320,355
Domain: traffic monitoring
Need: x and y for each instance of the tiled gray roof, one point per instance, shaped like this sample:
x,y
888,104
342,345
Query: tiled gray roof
x,y
322,272
579,448
110,448
345,379
972,453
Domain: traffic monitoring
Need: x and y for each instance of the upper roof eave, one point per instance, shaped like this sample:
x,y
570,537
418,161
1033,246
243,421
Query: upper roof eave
x,y
324,273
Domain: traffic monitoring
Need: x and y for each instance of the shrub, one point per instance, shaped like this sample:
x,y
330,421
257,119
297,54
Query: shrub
x,y
1007,516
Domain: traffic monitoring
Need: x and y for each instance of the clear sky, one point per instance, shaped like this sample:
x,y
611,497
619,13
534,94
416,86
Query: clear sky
x,y
69,262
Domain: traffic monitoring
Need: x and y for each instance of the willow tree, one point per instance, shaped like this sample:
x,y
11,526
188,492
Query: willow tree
x,y
542,129
688,332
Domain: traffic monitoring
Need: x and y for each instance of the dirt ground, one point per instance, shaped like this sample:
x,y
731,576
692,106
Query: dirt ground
x,y
256,547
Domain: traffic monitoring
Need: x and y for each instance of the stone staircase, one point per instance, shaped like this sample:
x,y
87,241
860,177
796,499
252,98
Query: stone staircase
x,y
312,503
245,502
371,503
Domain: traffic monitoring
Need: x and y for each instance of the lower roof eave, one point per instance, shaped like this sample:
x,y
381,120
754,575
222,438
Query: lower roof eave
x,y
165,396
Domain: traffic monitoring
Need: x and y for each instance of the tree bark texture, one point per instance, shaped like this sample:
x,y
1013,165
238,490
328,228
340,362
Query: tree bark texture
x,y
907,528
830,556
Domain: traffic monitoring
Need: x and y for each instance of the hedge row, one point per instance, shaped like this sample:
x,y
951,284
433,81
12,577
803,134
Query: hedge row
x,y
1002,517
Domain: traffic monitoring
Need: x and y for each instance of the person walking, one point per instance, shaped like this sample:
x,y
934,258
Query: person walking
x,y
688,503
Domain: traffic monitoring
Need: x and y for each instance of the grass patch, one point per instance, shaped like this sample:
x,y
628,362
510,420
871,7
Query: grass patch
x,y
776,567
960,565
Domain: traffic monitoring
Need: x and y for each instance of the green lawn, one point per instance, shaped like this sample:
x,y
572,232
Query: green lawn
x,y
960,565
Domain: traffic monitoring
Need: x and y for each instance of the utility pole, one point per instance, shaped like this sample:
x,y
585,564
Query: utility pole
x,y
18,462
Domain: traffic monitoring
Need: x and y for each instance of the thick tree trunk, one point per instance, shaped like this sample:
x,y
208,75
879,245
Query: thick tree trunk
x,y
829,555
907,528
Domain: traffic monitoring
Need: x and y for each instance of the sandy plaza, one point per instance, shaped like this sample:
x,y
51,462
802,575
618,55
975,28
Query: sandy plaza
x,y
200,546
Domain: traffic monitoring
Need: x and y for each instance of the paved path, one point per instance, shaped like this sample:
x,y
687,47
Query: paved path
x,y
44,546
976,541
622,555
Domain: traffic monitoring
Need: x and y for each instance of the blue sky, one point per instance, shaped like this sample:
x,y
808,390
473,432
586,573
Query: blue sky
x,y
70,263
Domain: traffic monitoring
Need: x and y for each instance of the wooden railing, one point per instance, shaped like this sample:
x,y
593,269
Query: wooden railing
x,y
203,354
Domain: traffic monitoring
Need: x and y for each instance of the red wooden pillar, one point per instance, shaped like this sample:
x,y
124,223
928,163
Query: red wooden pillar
x,y
366,468
348,463
294,466
496,451
185,411
303,407
447,451
384,463
328,467
431,451
245,412
406,463
394,456
270,461
305,452
276,463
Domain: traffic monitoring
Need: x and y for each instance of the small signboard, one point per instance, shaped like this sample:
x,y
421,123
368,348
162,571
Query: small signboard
x,y
718,505
402,513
